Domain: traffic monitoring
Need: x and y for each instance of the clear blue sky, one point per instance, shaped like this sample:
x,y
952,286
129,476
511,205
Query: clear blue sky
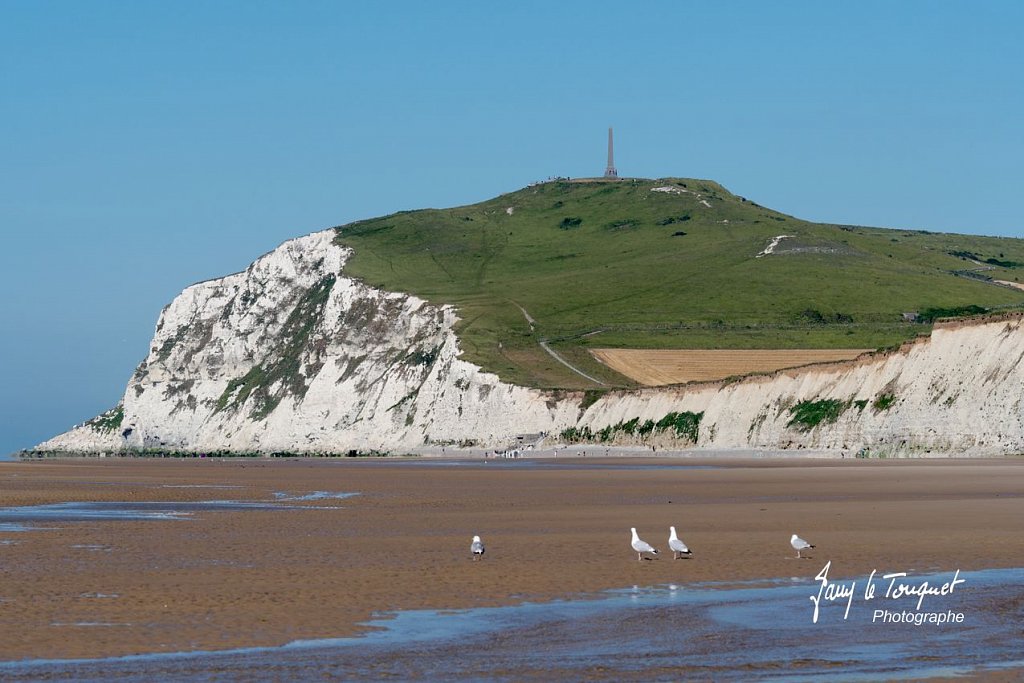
x,y
148,145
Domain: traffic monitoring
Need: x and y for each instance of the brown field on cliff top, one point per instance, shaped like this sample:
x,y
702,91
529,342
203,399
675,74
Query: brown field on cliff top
x,y
657,367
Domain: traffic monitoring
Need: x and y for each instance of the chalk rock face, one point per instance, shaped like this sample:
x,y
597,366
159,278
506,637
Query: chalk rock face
x,y
291,355
957,393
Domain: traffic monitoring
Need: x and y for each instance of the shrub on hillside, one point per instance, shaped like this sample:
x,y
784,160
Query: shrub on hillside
x,y
811,316
674,219
930,315
622,224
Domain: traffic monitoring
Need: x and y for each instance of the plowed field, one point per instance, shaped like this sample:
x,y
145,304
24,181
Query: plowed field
x,y
656,367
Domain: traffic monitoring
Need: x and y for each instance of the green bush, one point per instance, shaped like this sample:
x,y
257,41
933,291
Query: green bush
x,y
883,402
108,421
809,414
971,256
591,396
622,224
932,314
423,358
577,435
812,316
674,219
685,424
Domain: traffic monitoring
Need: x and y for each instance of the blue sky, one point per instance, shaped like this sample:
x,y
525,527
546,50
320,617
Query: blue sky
x,y
148,145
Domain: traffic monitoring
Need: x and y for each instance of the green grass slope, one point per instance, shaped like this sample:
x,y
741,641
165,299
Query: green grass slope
x,y
622,264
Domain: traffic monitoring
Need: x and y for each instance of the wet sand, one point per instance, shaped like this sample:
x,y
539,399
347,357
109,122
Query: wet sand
x,y
232,578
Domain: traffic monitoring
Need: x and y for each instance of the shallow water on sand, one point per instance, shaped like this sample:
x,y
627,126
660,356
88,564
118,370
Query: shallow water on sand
x,y
740,631
18,518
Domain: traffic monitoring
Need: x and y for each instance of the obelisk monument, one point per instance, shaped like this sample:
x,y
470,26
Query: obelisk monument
x,y
610,171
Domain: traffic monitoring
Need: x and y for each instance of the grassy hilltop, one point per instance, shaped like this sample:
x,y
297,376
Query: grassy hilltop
x,y
628,264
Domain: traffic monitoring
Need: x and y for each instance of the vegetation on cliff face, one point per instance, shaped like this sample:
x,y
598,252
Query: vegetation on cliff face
x,y
280,373
108,421
806,415
604,264
683,425
809,414
883,402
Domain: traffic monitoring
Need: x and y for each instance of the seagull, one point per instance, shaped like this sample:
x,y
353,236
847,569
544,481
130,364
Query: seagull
x,y
678,547
799,544
477,548
640,546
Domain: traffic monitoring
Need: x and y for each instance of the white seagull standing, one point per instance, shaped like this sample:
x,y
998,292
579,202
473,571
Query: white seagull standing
x,y
641,547
799,544
678,547
477,548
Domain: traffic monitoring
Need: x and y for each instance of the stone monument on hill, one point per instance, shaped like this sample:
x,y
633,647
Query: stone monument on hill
x,y
610,171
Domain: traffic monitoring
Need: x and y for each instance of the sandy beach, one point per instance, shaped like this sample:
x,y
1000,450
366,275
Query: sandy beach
x,y
220,579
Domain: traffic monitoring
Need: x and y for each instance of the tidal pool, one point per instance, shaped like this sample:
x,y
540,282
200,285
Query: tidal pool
x,y
21,518
746,631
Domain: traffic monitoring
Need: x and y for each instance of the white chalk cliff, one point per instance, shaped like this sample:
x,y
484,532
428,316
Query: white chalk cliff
x,y
292,355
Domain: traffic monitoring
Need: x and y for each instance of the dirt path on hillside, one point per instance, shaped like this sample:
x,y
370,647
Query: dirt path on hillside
x,y
551,352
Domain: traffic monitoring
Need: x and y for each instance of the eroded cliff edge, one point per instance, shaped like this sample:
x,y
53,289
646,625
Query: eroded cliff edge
x,y
292,355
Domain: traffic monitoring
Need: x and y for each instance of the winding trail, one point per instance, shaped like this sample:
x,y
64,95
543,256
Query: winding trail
x,y
544,345
976,274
